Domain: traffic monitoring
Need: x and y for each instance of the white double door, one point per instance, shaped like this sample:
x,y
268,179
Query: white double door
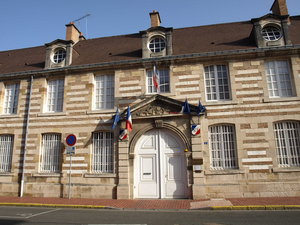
x,y
160,166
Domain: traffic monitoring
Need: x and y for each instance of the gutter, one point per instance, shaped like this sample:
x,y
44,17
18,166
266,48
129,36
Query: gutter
x,y
171,57
26,136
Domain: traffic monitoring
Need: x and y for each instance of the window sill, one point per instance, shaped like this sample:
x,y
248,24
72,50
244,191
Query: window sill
x,y
4,116
212,103
47,175
7,174
224,172
99,175
285,99
286,169
101,111
51,114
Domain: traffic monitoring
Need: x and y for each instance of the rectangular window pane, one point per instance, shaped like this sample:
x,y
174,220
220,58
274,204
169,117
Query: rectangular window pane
x,y
6,150
11,98
279,79
163,82
104,92
51,153
217,82
287,141
103,152
223,150
55,95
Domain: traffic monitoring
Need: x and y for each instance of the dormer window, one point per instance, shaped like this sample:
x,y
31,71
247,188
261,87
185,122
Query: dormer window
x,y
270,33
157,40
157,45
59,56
59,52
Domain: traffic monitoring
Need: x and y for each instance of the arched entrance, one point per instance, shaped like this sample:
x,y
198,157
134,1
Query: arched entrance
x,y
160,166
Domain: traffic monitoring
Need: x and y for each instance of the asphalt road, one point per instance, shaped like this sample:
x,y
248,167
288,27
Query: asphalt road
x,y
32,215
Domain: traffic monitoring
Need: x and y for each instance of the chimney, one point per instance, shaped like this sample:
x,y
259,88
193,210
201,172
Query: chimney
x,y
279,7
155,19
81,37
72,32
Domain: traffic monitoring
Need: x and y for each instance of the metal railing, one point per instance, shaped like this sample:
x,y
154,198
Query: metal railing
x,y
51,153
103,152
223,150
6,149
287,143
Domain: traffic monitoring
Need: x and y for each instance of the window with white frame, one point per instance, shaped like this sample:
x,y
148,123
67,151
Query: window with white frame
x,y
287,140
157,44
55,95
163,82
51,153
59,56
279,79
104,92
270,33
217,84
6,150
103,152
223,147
11,98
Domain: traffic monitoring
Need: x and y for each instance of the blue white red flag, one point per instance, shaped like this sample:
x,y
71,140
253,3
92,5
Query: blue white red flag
x,y
123,134
128,120
195,129
117,118
155,76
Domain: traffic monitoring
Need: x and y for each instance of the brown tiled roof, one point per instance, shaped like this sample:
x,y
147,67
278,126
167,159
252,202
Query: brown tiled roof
x,y
20,60
219,37
108,49
201,39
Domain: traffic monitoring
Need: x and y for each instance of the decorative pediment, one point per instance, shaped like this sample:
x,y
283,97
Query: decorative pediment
x,y
155,108
59,41
270,16
157,105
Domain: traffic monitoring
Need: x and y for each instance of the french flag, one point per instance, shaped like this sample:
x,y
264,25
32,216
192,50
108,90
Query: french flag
x,y
155,76
128,120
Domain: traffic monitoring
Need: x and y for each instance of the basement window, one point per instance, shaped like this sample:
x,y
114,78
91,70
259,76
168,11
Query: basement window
x,y
271,33
157,45
59,56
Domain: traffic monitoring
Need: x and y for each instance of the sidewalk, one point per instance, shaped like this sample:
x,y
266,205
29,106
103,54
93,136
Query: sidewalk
x,y
214,204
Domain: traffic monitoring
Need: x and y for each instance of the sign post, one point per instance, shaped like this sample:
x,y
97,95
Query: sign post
x,y
70,177
70,140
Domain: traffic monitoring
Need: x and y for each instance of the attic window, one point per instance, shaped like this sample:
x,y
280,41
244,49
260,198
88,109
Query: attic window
x,y
59,56
157,45
271,33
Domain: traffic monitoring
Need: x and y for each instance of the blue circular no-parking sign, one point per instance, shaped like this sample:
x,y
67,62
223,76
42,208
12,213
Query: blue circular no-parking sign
x,y
71,140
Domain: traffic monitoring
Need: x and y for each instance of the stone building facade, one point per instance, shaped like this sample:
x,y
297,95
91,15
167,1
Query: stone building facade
x,y
248,80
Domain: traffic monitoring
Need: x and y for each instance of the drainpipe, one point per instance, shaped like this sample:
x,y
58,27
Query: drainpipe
x,y
26,135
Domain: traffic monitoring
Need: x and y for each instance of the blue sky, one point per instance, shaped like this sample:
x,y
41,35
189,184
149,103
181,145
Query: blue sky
x,y
29,23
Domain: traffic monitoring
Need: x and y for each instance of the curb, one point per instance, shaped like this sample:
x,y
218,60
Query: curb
x,y
54,205
245,207
257,207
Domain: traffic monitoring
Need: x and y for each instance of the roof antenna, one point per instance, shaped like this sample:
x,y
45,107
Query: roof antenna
x,y
88,14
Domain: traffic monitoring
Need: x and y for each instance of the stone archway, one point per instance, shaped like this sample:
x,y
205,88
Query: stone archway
x,y
142,131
